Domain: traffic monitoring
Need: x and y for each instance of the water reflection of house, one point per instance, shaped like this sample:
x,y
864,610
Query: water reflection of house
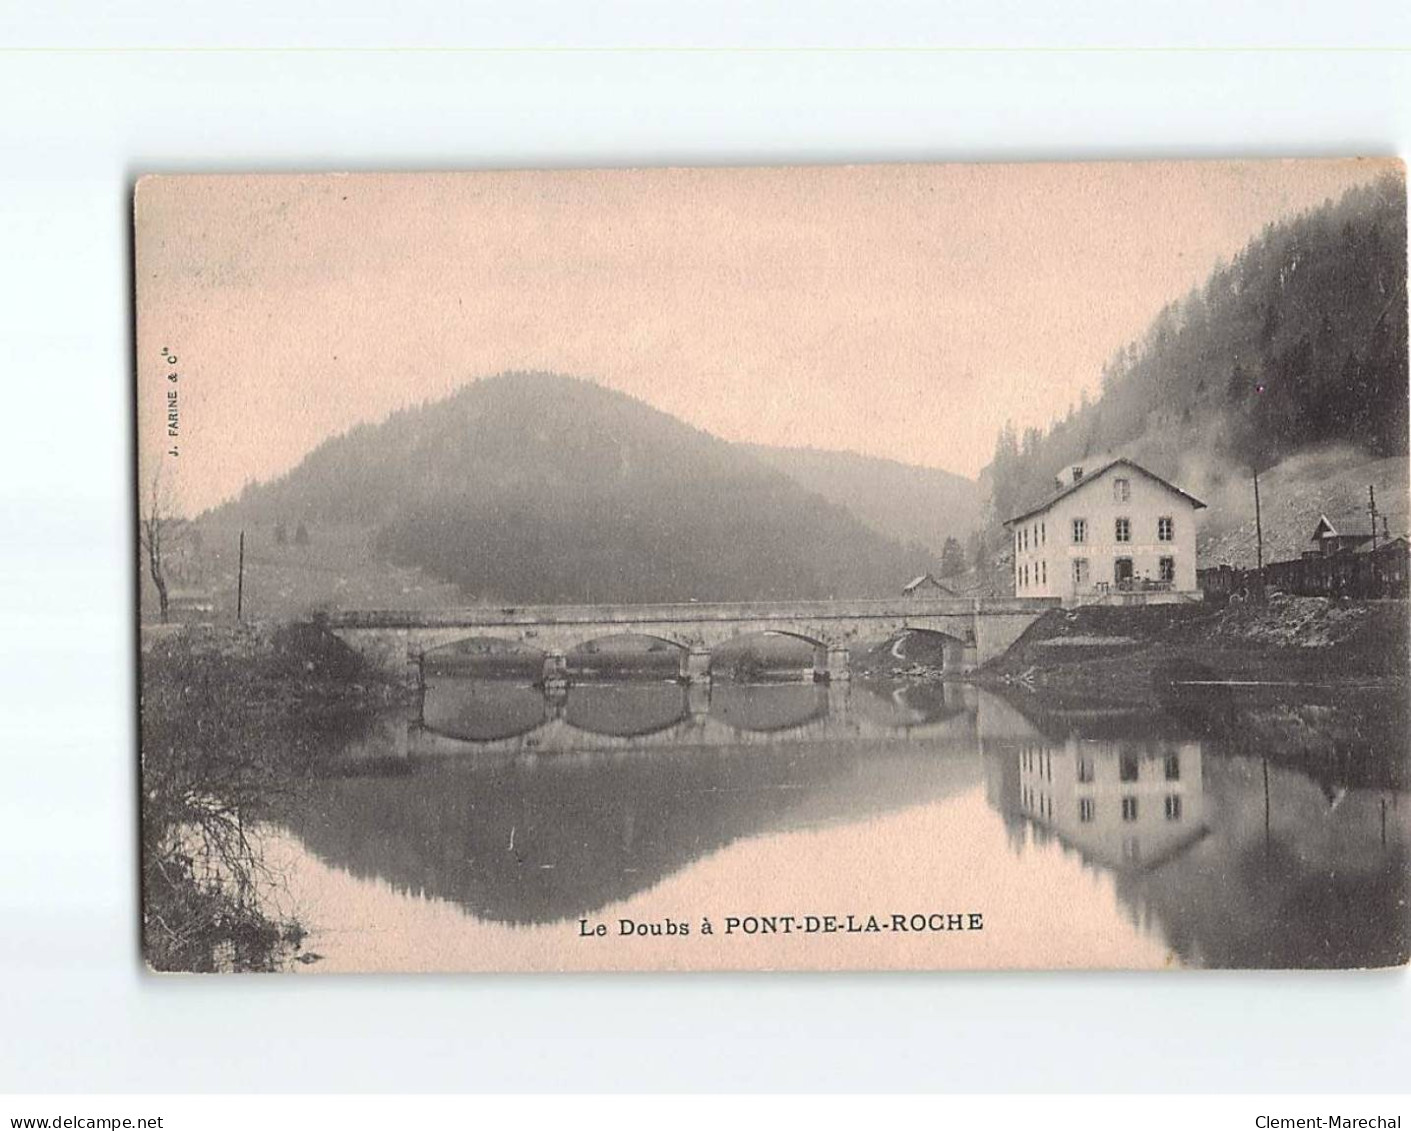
x,y
1233,861
1121,804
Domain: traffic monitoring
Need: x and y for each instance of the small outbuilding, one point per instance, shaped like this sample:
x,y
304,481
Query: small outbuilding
x,y
927,586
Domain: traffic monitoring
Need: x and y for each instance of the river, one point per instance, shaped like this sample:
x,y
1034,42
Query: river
x,y
494,827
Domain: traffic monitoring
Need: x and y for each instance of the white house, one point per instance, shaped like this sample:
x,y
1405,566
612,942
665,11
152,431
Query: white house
x,y
1116,529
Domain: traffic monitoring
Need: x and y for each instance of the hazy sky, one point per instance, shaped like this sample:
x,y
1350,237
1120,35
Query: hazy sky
x,y
899,311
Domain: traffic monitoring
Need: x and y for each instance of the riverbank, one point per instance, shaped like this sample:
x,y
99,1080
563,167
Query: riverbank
x,y
1320,686
234,719
1123,655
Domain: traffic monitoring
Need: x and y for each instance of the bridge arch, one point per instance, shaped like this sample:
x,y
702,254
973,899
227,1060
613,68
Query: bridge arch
x,y
483,656
396,640
949,649
769,653
625,653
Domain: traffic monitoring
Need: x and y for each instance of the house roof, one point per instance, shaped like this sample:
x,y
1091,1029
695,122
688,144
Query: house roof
x,y
1342,525
1098,474
916,582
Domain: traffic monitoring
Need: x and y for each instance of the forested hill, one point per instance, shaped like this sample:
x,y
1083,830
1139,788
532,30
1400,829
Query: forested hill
x,y
541,488
1301,341
902,501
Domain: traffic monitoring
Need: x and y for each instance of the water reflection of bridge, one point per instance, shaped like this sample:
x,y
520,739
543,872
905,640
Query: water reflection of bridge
x,y
1231,860
513,836
458,716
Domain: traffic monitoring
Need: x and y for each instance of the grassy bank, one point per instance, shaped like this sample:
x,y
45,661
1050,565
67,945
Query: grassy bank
x,y
233,720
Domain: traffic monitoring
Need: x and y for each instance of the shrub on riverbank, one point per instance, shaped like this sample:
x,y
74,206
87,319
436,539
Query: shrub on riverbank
x,y
232,720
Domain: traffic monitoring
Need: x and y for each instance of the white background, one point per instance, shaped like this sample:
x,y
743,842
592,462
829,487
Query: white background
x,y
79,123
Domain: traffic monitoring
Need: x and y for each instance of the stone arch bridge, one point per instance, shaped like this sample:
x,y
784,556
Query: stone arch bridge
x,y
977,630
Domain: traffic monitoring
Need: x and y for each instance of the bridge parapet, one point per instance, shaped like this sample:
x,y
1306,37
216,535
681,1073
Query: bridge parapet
x,y
686,612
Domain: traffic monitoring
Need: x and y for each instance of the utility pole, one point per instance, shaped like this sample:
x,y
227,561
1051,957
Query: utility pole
x,y
1258,524
1372,510
240,582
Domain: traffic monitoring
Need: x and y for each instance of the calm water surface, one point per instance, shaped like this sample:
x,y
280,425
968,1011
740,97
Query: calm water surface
x,y
1207,834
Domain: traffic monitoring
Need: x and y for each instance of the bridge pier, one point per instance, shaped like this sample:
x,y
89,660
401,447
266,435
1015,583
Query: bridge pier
x,y
840,702
830,665
695,665
698,699
555,671
556,696
839,668
416,682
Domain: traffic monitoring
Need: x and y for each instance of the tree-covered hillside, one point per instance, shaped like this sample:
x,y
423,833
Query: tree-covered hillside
x,y
539,488
1300,341
899,500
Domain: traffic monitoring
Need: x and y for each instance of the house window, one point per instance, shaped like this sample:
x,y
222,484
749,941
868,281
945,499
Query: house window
x,y
1043,573
1124,530
1043,534
1080,571
1168,569
1085,768
1127,768
1173,807
1024,537
1080,530
1173,767
1121,490
1166,529
1129,808
1085,809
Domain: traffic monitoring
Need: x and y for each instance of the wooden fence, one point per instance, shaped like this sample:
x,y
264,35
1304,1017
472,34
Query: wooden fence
x,y
1380,574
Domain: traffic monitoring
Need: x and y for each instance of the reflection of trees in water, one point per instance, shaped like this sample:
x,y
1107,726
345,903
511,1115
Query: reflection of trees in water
x,y
1340,738
547,839
1297,869
1316,887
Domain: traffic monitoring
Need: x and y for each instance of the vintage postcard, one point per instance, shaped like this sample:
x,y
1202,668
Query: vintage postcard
x,y
852,568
